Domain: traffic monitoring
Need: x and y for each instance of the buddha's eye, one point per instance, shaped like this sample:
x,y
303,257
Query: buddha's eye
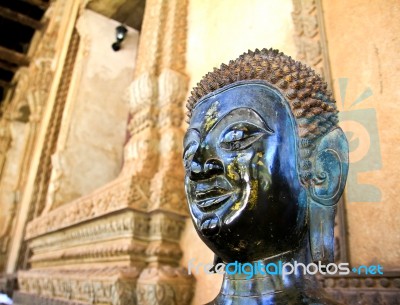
x,y
241,136
233,135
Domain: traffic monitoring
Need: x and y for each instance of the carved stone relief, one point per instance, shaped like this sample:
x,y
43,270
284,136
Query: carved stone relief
x,y
312,47
133,223
42,179
34,97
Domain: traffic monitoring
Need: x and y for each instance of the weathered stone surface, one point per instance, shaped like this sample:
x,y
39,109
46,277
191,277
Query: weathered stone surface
x,y
92,248
129,12
90,144
363,48
13,144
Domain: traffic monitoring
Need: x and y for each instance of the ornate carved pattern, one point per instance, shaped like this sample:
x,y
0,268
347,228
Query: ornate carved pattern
x,y
150,47
88,254
174,37
54,128
142,213
119,194
5,140
164,285
141,154
126,223
164,234
114,285
166,187
159,90
127,236
310,36
133,237
21,298
26,105
166,225
116,237
368,290
42,179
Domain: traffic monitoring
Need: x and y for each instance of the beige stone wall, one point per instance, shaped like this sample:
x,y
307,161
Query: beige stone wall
x,y
219,31
120,242
9,188
363,46
90,146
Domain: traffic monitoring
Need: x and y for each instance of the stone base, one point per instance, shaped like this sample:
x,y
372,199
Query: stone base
x,y
21,298
355,289
113,286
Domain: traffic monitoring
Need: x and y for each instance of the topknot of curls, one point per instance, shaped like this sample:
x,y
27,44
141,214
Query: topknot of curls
x,y
306,93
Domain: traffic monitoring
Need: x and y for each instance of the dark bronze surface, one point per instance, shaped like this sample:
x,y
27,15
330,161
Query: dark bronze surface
x,y
246,196
236,158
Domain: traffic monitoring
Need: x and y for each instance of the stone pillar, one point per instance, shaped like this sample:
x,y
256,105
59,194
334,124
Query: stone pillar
x,y
160,88
141,154
167,205
44,76
5,139
6,190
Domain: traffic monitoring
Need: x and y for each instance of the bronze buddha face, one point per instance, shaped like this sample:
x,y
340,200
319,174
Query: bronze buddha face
x,y
244,193
265,166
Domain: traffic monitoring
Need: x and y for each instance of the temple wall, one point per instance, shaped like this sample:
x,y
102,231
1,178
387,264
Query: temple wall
x,y
219,31
93,131
9,190
363,46
119,244
40,86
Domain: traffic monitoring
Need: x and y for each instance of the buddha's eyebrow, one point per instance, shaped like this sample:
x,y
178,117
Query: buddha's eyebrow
x,y
244,125
255,114
266,126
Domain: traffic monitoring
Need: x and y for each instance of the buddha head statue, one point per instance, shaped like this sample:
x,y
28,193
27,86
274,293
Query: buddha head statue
x,y
265,160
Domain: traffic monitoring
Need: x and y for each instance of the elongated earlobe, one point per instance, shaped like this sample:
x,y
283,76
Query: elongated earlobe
x,y
330,167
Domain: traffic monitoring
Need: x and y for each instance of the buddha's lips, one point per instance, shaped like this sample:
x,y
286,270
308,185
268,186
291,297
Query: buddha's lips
x,y
212,197
210,192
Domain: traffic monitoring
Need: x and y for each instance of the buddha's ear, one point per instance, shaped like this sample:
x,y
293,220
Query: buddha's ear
x,y
330,166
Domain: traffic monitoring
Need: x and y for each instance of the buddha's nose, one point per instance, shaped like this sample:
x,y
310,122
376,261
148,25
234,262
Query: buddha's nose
x,y
205,170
